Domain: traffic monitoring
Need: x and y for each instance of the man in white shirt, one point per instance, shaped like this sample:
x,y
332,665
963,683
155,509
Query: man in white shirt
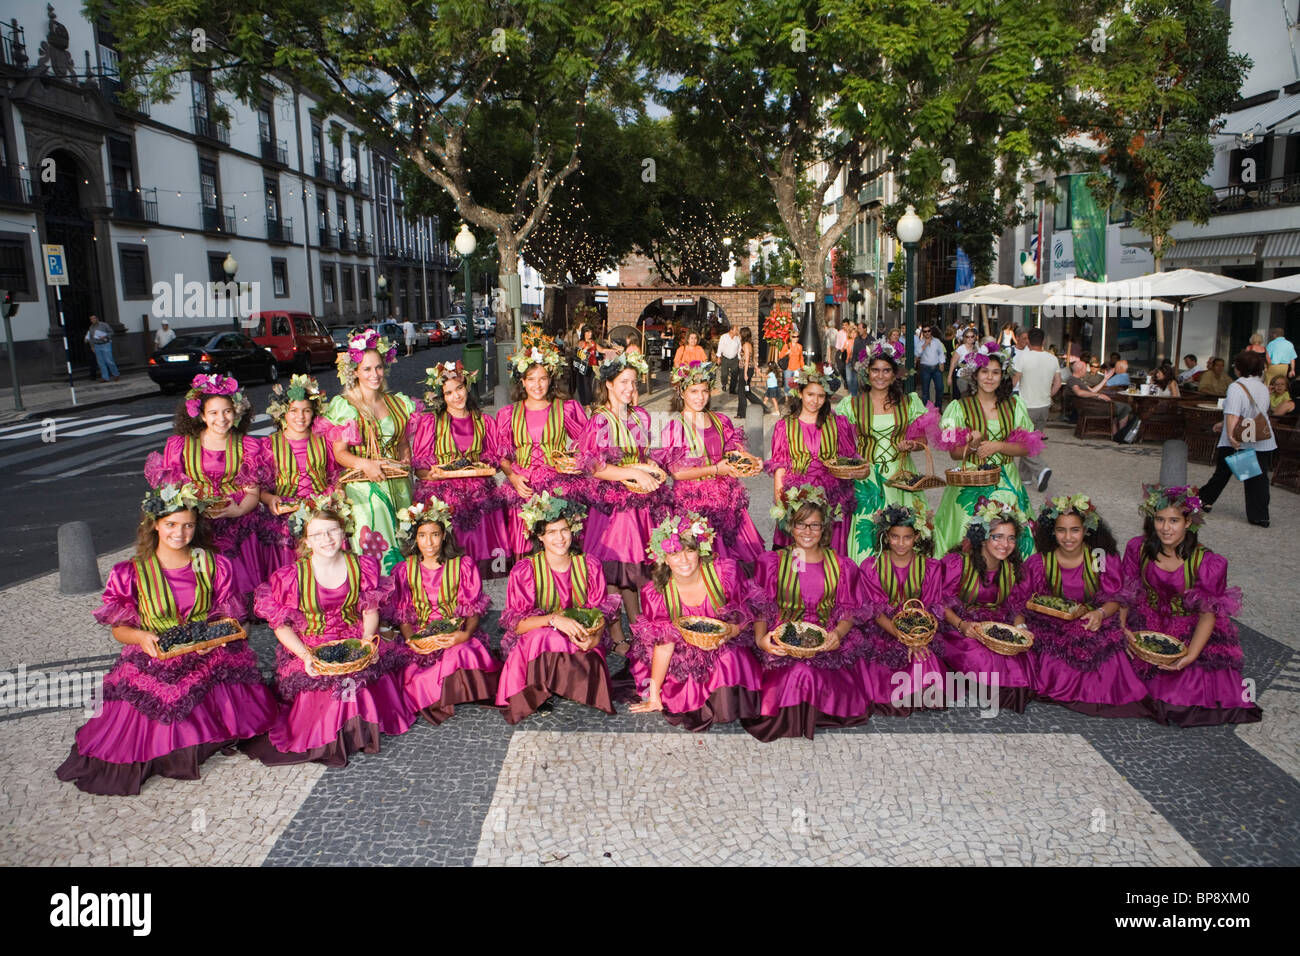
x,y
1192,367
164,336
930,354
729,358
1039,378
408,332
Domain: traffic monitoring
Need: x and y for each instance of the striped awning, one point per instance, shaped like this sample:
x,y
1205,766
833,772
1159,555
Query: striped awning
x,y
1282,249
1221,251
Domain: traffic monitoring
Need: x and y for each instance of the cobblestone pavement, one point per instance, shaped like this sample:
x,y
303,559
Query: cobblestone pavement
x,y
579,787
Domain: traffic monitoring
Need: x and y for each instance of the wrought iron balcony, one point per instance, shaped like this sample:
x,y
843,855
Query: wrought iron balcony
x,y
14,188
275,151
328,237
138,204
1282,191
279,230
217,218
208,128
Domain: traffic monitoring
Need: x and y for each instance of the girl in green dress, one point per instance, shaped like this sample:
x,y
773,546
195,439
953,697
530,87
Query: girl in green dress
x,y
888,427
367,425
993,427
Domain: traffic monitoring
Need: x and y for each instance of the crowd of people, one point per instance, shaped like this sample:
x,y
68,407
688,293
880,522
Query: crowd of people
x,y
362,530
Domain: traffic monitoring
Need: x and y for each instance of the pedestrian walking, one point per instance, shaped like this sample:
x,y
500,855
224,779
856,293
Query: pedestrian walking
x,y
748,366
100,339
164,336
1281,355
929,356
1242,429
729,359
408,332
1039,378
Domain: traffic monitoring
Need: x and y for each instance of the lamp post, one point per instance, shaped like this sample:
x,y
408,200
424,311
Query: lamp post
x,y
382,284
230,267
1029,269
909,231
465,245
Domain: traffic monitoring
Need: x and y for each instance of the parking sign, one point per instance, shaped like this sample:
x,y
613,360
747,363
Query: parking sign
x,y
56,272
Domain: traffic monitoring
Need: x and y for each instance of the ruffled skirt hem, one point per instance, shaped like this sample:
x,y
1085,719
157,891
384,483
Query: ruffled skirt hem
x,y
580,677
100,777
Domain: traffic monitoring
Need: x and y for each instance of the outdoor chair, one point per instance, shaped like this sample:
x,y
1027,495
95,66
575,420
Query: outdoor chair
x,y
1096,417
1286,470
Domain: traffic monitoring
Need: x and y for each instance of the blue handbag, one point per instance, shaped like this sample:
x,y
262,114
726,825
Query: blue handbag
x,y
1244,465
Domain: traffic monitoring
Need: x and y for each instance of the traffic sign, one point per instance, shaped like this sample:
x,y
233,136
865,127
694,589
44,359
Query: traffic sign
x,y
56,271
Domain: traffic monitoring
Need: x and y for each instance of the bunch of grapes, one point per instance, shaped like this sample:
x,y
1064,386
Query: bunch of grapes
x,y
192,632
703,627
343,653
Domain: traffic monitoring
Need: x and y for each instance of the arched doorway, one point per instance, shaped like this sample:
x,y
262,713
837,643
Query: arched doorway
x,y
67,225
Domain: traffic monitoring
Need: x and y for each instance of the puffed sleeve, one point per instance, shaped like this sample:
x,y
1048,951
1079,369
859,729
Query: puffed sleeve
x,y
951,564
1210,592
848,597
1033,575
471,601
423,429
934,593
1110,583
1020,594
118,605
845,408
733,435
1131,568
871,596
521,596
168,467
399,607
673,450
226,601
953,429
266,463
276,600
505,435
737,610
252,469
846,439
339,422
575,418
761,594
375,585
654,625
1022,430
780,457
922,420
491,442
597,597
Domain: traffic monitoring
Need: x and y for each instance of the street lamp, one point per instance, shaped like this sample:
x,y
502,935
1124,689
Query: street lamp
x,y
465,245
230,267
382,284
1029,269
909,231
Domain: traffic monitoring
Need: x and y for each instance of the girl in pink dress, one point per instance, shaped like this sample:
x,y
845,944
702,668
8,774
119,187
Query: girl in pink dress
x,y
545,652
809,582
438,582
1180,588
532,431
695,688
803,442
455,429
211,450
297,463
166,717
987,576
902,678
1081,664
692,446
327,595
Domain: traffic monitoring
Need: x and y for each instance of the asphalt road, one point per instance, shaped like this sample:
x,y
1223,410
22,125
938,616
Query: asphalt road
x,y
93,470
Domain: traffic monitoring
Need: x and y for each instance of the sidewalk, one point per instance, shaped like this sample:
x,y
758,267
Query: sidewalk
x,y
44,398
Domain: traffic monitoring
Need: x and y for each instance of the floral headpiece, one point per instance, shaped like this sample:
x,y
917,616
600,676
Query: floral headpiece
x,y
611,368
808,375
171,498
693,373
1080,505
216,384
358,345
301,388
436,378
335,501
990,512
792,499
521,362
884,349
981,356
893,516
667,538
410,518
1185,497
546,507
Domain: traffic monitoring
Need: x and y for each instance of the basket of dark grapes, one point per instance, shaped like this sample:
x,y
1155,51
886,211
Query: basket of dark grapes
x,y
431,636
198,636
802,639
706,633
973,473
346,656
655,471
592,621
846,466
1157,648
1005,639
562,460
746,465
912,481
1059,607
464,467
915,624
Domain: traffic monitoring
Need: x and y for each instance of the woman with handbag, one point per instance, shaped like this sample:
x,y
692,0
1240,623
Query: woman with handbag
x,y
748,366
1244,429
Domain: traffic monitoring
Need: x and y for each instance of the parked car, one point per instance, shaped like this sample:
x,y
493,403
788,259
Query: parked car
x,y
203,353
340,336
437,334
455,326
296,339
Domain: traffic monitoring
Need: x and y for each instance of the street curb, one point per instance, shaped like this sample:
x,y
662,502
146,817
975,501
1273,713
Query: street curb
x,y
28,414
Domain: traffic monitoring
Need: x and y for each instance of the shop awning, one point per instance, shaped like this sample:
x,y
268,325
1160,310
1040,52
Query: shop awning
x,y
1220,251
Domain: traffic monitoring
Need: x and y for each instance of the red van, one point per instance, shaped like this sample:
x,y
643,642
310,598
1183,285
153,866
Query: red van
x,y
296,339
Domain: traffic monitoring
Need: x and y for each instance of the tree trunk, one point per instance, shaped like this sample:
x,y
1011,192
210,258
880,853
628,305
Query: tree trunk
x,y
1158,251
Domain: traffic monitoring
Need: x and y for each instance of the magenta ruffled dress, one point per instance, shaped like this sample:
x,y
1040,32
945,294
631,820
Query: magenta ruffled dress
x,y
436,682
1083,670
826,690
544,661
898,686
1210,690
702,688
530,460
273,530
167,717
723,500
838,491
235,538
1017,673
619,520
324,719
477,514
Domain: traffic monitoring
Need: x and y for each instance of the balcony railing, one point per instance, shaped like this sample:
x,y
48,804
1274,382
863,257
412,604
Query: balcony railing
x,y
138,204
1282,191
217,218
327,170
864,262
279,230
363,186
209,128
363,245
345,240
275,151
14,188
13,45
327,238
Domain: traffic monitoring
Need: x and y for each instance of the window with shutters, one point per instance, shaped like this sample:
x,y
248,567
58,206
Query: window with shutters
x,y
134,260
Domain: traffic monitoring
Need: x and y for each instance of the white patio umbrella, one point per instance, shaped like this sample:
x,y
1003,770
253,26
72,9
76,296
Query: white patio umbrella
x,y
1176,286
976,295
1285,289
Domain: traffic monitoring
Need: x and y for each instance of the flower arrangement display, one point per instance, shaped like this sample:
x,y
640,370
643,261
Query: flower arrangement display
x,y
778,327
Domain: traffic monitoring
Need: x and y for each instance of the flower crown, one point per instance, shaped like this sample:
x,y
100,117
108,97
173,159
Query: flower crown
x,y
167,499
359,344
1080,505
611,368
808,375
301,388
334,501
436,378
792,499
216,384
667,538
893,516
1185,497
546,507
410,518
884,349
693,373
981,356
990,512
521,362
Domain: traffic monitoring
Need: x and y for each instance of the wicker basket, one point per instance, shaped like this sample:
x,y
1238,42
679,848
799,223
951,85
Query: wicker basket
x,y
429,643
656,471
180,649
564,462
1073,615
802,627
1005,648
588,632
710,641
919,482
917,636
475,470
746,465
1152,657
388,467
973,477
845,472
327,669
